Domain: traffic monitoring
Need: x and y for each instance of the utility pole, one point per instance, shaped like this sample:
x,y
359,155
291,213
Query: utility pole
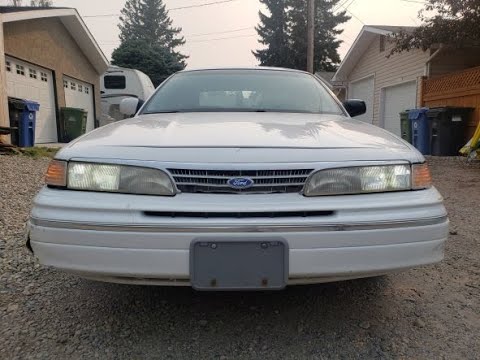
x,y
310,35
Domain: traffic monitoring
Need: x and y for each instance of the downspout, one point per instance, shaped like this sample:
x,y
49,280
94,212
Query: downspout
x,y
4,117
431,58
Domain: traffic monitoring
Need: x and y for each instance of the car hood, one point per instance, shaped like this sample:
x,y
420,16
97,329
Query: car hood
x,y
236,131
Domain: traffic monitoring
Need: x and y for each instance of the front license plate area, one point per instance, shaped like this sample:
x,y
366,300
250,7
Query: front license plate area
x,y
239,265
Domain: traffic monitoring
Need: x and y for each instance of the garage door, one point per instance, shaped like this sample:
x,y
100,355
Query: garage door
x,y
35,83
80,95
363,90
397,99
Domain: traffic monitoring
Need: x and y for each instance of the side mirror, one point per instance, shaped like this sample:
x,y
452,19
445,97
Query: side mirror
x,y
355,107
128,106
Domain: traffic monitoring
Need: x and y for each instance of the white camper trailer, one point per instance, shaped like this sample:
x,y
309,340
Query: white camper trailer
x,y
119,83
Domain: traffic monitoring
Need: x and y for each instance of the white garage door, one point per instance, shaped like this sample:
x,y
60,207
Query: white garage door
x,y
363,90
35,83
80,95
397,99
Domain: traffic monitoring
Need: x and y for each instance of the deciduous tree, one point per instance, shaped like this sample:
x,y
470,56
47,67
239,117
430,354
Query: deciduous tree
x,y
451,22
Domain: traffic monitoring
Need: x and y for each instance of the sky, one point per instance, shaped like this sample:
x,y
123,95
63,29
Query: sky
x,y
223,34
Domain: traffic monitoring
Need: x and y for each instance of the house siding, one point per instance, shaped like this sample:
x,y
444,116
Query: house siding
x,y
47,43
397,69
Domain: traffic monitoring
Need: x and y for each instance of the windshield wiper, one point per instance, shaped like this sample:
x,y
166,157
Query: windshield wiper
x,y
162,112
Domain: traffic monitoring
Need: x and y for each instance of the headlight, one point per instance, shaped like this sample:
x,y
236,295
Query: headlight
x,y
358,180
119,179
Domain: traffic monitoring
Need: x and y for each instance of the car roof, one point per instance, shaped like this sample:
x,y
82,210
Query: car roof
x,y
257,68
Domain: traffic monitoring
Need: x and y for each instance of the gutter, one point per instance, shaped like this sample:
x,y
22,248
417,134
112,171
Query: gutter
x,y
431,58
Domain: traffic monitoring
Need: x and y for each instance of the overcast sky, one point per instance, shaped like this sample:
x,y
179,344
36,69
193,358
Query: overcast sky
x,y
235,47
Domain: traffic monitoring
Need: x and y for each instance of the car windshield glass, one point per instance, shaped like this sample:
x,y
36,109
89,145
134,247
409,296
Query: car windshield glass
x,y
242,90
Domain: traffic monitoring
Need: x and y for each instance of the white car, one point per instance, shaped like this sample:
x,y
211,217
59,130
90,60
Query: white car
x,y
238,179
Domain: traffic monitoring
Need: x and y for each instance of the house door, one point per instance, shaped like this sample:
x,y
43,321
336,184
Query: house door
x,y
79,94
32,82
395,100
363,90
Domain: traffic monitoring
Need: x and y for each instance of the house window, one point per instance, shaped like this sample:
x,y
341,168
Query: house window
x,y
114,82
73,86
382,43
65,84
44,76
8,65
87,91
80,88
20,70
33,73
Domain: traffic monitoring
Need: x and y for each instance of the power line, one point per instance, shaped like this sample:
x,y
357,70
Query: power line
x,y
351,13
223,38
355,16
350,4
197,41
190,36
340,5
172,9
414,1
202,5
219,32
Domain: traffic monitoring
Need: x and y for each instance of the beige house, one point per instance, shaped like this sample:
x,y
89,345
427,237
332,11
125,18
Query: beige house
x,y
392,84
48,55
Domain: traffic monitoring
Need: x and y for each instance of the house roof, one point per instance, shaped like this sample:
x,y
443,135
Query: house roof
x,y
361,44
72,22
12,9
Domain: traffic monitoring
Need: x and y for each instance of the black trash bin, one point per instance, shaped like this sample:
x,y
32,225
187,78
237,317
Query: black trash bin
x,y
406,126
448,127
73,123
15,111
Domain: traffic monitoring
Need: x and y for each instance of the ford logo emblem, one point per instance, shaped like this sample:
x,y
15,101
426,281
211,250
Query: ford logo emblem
x,y
240,183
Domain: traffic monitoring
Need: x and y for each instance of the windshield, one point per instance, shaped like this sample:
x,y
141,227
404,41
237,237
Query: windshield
x,y
242,90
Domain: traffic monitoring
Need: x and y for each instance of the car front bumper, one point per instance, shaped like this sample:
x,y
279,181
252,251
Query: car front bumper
x,y
108,236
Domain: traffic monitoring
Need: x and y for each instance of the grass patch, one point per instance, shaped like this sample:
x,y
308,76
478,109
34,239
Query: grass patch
x,y
39,152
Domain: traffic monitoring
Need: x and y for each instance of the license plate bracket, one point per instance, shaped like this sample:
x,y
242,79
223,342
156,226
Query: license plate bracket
x,y
256,264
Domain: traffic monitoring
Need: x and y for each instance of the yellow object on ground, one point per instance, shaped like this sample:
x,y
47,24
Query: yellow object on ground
x,y
472,148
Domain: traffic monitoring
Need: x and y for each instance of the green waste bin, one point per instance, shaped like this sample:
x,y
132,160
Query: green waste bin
x,y
406,126
73,123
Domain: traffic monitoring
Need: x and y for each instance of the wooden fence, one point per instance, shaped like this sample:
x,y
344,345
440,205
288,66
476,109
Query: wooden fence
x,y
460,89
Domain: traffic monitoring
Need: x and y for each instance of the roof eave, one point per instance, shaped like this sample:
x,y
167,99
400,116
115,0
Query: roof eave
x,y
74,24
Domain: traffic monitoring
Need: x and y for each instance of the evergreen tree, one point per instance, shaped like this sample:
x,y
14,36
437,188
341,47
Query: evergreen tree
x,y
152,59
285,34
146,32
326,34
273,32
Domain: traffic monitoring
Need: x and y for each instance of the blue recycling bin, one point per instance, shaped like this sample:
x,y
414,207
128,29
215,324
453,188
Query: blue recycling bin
x,y
26,126
420,130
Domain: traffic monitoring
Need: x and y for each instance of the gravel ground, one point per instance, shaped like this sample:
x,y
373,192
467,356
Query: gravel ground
x,y
427,313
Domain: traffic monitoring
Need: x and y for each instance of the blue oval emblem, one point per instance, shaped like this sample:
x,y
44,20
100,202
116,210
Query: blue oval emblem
x,y
240,183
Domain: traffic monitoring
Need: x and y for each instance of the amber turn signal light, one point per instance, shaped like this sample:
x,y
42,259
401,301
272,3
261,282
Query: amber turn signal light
x,y
56,173
421,179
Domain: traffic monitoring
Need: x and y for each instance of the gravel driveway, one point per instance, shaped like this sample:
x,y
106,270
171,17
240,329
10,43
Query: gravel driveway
x,y
427,313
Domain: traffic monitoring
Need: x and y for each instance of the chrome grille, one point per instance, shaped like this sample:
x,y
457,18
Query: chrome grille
x,y
216,181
